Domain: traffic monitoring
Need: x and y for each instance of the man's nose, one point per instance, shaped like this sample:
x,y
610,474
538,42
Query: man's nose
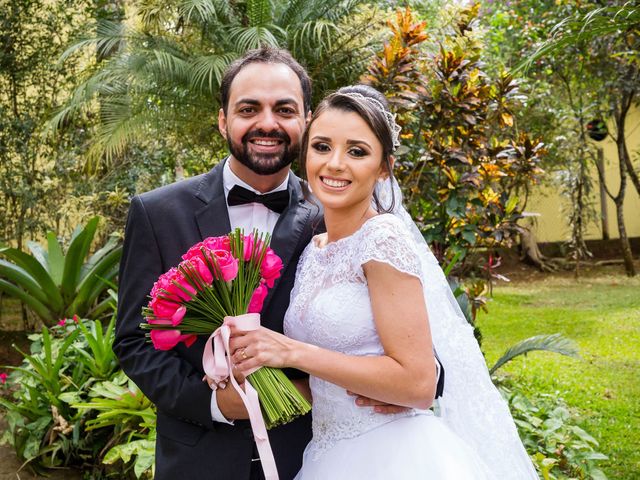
x,y
267,121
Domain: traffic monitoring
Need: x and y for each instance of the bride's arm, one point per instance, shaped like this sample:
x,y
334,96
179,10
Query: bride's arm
x,y
404,375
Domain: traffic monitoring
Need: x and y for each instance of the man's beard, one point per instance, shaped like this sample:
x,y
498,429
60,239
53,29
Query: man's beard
x,y
264,164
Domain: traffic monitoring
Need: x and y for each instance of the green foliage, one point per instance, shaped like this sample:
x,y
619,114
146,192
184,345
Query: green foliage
x,y
56,285
550,343
560,448
164,70
580,61
71,406
466,168
120,404
600,312
32,184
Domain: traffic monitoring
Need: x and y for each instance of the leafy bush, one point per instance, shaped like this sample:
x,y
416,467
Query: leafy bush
x,y
70,405
55,285
466,166
559,448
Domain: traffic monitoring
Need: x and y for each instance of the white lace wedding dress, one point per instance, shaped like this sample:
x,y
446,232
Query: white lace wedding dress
x,y
330,307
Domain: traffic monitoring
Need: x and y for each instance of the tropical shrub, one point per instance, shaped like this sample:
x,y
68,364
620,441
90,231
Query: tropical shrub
x,y
70,405
57,285
465,167
559,448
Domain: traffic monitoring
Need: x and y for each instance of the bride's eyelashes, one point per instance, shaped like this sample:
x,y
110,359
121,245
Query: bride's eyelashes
x,y
357,152
324,147
321,147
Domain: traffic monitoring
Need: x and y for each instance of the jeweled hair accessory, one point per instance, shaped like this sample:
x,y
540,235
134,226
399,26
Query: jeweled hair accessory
x,y
394,128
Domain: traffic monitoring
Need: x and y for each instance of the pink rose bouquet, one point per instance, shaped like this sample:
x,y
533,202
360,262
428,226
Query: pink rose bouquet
x,y
222,277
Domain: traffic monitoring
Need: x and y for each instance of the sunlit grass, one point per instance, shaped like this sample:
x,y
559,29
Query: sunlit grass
x,y
602,314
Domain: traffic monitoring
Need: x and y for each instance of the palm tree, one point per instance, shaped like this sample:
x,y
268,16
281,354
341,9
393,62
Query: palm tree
x,y
168,64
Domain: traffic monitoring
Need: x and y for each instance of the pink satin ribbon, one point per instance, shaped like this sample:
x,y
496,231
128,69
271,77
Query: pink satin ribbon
x,y
217,364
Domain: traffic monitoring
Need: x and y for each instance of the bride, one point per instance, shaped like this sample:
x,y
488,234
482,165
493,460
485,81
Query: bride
x,y
368,304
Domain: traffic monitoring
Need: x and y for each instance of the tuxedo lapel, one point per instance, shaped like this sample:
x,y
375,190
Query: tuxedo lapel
x,y
289,229
213,218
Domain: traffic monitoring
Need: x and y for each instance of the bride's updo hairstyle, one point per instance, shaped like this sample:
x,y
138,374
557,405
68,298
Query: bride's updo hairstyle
x,y
373,108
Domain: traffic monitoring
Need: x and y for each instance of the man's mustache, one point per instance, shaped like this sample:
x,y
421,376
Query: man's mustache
x,y
262,134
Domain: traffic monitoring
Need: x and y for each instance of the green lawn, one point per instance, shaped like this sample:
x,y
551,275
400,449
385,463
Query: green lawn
x,y
602,314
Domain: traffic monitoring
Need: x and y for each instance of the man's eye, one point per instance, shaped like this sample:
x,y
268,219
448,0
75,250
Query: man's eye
x,y
320,147
287,111
247,110
357,152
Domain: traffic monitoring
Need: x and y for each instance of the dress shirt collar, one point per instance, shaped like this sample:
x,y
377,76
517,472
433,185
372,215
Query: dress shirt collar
x,y
230,179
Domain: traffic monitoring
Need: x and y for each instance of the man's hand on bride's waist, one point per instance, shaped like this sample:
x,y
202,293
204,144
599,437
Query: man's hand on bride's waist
x,y
378,406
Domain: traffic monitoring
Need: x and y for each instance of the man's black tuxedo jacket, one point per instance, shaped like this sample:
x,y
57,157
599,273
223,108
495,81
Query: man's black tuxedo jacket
x,y
161,226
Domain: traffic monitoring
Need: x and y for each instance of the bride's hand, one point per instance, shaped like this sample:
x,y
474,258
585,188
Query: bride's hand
x,y
258,348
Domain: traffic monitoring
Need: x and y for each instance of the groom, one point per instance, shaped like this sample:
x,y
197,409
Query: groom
x,y
265,99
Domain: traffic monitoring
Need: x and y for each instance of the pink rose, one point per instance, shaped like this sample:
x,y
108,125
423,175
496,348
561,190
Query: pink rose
x,y
3,378
163,308
181,287
167,339
176,318
172,285
209,243
227,263
76,319
217,243
271,267
251,247
257,299
196,266
61,322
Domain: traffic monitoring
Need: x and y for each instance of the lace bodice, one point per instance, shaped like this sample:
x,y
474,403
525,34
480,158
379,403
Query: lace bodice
x,y
330,307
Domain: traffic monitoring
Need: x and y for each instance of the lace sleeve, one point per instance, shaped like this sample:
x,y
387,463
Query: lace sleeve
x,y
386,239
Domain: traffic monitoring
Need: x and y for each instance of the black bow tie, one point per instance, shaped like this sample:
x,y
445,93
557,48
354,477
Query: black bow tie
x,y
276,201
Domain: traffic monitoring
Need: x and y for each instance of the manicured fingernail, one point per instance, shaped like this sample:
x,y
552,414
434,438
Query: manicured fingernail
x,y
359,401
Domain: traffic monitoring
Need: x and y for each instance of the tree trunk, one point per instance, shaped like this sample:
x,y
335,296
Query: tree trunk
x,y
627,255
623,154
604,214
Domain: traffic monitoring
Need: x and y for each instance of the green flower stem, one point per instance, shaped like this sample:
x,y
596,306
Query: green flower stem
x,y
280,400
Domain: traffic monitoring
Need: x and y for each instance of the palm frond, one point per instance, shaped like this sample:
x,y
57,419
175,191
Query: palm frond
x,y
168,67
294,13
120,125
109,37
259,12
198,10
317,35
206,71
551,343
247,38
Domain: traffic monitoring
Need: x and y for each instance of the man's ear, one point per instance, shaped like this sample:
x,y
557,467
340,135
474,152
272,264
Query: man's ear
x,y
222,123
308,118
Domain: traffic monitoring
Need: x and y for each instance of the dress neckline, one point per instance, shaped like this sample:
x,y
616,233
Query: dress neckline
x,y
316,238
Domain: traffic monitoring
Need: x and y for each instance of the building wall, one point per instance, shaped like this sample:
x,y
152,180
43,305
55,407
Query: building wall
x,y
551,224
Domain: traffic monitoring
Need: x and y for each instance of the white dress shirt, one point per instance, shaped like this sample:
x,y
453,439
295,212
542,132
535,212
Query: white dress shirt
x,y
247,217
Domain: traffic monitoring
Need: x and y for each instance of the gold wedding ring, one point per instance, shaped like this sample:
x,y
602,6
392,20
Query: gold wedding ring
x,y
244,354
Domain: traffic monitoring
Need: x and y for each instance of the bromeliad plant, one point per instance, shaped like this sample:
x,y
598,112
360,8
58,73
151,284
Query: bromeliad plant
x,y
68,404
55,284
